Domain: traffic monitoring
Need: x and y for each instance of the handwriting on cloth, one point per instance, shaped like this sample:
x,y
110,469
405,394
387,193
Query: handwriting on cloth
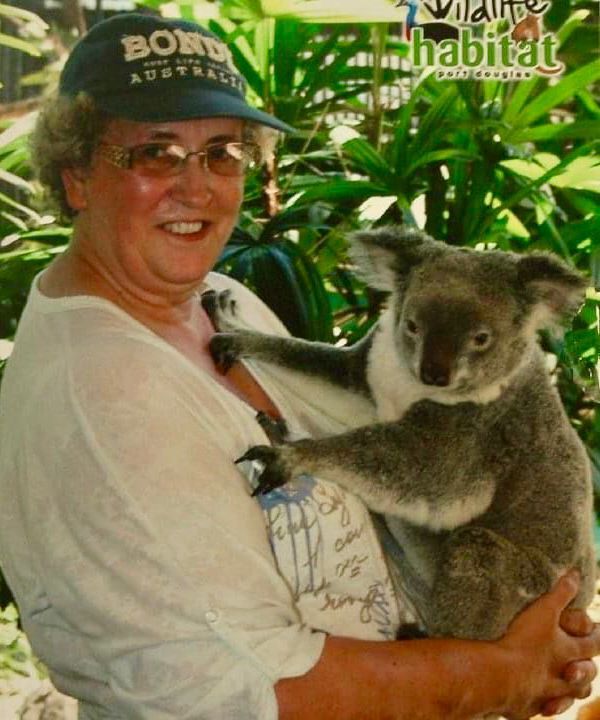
x,y
320,538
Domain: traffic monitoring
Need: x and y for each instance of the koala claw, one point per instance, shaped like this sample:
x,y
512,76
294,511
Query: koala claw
x,y
273,475
270,479
223,350
219,306
208,300
275,429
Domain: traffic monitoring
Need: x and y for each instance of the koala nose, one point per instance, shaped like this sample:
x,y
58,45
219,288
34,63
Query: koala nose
x,y
434,374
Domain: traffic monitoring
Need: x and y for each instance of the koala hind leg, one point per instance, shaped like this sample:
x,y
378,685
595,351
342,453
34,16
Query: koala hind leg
x,y
482,582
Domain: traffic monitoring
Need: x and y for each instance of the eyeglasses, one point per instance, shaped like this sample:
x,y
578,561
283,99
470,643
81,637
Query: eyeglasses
x,y
231,159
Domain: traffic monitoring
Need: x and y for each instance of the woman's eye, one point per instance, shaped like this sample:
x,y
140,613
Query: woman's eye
x,y
222,152
152,152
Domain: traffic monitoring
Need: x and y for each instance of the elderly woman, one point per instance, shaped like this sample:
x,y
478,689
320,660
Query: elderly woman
x,y
140,562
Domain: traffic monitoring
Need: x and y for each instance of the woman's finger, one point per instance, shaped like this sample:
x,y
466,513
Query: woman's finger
x,y
564,590
576,622
556,706
580,672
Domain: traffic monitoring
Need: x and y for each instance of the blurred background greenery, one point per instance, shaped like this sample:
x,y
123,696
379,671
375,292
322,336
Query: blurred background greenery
x,y
510,165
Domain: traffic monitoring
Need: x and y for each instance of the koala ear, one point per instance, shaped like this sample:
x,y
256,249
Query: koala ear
x,y
384,255
555,289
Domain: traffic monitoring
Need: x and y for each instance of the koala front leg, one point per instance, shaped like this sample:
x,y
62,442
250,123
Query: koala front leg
x,y
341,367
390,467
355,460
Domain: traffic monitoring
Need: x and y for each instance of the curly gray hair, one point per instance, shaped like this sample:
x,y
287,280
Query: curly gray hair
x,y
68,131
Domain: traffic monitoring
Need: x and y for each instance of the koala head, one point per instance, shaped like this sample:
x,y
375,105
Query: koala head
x,y
464,320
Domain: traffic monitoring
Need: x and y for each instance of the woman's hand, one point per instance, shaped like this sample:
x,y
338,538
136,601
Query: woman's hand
x,y
549,649
581,672
540,665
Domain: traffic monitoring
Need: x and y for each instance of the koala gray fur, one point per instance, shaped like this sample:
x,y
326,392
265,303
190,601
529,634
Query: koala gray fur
x,y
473,462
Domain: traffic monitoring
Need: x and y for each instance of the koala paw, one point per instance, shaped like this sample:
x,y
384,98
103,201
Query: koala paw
x,y
275,429
274,474
225,350
221,308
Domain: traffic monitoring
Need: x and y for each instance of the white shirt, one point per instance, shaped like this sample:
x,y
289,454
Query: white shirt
x,y
147,578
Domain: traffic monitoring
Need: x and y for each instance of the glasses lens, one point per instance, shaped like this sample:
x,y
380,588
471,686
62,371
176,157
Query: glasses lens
x,y
157,159
232,159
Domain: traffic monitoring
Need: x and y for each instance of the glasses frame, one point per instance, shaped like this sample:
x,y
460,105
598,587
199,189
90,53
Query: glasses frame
x,y
123,156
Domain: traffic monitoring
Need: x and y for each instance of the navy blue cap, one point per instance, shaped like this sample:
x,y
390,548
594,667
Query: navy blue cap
x,y
150,69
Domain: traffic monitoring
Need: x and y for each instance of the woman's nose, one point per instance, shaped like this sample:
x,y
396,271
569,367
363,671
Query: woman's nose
x,y
194,185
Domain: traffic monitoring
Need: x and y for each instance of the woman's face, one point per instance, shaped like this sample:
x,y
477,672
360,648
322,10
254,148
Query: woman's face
x,y
156,236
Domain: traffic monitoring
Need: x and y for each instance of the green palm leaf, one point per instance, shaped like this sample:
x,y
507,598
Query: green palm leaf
x,y
566,88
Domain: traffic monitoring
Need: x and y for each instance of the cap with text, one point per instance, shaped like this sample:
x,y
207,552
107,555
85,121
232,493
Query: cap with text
x,y
151,69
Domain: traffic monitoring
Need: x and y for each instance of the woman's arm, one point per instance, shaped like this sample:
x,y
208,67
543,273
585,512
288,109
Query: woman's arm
x,y
524,673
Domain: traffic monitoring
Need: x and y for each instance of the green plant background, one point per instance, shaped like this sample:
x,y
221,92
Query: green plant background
x,y
495,164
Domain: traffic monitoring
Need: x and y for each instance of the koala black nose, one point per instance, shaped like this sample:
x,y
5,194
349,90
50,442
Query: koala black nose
x,y
432,374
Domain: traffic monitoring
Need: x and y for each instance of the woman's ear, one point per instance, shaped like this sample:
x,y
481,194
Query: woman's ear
x,y
74,183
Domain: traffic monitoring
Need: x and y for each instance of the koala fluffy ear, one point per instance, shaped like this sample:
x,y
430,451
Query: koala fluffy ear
x,y
385,255
555,289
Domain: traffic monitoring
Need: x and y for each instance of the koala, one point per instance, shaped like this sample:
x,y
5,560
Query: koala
x,y
481,480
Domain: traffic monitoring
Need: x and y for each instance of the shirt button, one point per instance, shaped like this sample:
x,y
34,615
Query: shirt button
x,y
211,616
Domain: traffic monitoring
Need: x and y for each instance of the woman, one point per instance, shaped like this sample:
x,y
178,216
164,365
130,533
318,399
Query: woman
x,y
139,560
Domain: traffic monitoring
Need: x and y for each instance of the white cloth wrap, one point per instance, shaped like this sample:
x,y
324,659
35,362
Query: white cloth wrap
x,y
143,568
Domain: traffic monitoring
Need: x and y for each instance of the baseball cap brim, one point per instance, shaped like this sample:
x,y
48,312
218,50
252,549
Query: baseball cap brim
x,y
195,102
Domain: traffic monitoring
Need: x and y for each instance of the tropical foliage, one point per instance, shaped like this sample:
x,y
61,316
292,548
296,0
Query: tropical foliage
x,y
16,657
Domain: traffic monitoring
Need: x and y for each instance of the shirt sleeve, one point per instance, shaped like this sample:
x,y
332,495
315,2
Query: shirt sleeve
x,y
166,582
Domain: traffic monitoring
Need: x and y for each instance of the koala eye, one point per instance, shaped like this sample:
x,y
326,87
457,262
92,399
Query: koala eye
x,y
412,327
482,339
